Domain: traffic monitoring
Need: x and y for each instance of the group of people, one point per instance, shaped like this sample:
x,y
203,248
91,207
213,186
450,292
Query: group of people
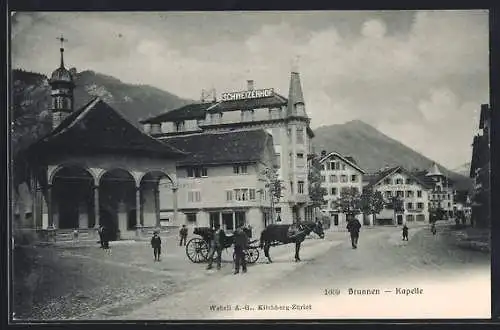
x,y
217,244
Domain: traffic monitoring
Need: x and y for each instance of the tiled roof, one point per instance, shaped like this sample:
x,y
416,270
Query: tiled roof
x,y
434,170
377,177
349,160
295,95
275,100
99,127
190,111
222,147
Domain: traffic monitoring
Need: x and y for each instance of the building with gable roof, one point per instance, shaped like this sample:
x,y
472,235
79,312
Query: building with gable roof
x,y
412,193
339,172
220,181
284,118
96,168
442,193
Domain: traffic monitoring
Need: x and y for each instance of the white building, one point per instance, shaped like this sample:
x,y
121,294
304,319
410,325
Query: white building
x,y
442,193
285,119
412,191
221,181
338,172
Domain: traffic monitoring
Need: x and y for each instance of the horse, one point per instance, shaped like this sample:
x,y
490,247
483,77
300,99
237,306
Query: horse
x,y
287,234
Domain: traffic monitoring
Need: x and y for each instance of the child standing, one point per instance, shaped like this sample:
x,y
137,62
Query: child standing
x,y
156,245
405,233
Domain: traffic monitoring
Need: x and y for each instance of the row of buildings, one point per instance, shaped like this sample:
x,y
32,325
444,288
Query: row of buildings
x,y
419,192
205,163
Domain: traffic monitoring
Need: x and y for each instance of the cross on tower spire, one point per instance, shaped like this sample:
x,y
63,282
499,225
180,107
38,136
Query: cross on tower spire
x,y
62,40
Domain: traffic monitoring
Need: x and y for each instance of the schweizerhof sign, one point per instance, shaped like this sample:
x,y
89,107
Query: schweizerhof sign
x,y
253,94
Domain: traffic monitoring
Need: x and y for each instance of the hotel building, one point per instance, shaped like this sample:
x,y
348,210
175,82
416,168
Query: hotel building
x,y
285,119
409,189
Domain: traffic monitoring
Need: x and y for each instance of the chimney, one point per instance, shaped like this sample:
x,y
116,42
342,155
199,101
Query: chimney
x,y
323,153
250,85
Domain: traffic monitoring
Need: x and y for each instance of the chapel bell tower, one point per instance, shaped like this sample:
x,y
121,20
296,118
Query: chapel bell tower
x,y
62,86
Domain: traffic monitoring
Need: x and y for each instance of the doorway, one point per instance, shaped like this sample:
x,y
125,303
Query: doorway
x,y
400,219
335,219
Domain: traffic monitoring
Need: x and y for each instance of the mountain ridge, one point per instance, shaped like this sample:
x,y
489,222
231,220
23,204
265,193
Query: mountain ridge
x,y
371,148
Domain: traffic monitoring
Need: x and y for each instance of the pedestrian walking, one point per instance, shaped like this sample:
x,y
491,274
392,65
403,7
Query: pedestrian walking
x,y
99,231
405,233
105,233
240,246
216,245
433,228
183,233
353,226
156,245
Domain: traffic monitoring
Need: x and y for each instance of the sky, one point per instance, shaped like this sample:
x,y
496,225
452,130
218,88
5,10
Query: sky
x,y
417,76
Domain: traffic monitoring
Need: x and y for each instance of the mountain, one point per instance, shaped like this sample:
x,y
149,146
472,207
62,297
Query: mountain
x,y
373,150
463,169
31,97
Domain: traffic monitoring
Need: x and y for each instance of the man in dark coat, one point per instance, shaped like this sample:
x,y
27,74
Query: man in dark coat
x,y
99,231
216,245
183,233
405,233
353,226
240,246
156,245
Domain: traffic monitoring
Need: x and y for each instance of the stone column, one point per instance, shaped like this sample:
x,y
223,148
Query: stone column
x,y
157,206
139,218
96,206
50,211
174,190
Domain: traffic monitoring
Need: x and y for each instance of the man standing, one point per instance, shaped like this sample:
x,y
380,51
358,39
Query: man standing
x,y
216,245
156,245
240,245
405,233
183,233
353,227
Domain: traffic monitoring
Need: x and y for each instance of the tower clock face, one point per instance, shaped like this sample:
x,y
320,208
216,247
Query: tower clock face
x,y
300,108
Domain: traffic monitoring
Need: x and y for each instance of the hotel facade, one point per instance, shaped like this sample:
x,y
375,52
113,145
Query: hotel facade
x,y
285,119
412,192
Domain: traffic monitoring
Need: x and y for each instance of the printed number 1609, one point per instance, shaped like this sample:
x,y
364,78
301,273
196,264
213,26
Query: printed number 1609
x,y
331,292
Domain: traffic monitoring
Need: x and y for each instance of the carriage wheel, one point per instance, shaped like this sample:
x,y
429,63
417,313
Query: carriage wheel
x,y
251,256
197,250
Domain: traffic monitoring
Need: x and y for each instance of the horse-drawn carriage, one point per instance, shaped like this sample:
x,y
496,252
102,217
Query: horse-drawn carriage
x,y
198,248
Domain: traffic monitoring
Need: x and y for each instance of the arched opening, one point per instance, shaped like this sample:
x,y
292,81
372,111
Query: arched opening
x,y
72,198
156,194
116,201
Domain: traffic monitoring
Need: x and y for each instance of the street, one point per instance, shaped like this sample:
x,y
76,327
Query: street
x,y
426,277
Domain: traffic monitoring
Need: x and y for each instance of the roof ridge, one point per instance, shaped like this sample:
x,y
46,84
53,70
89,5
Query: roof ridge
x,y
79,114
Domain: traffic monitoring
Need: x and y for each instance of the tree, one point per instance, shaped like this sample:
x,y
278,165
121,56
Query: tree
x,y
372,202
274,186
316,191
349,201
